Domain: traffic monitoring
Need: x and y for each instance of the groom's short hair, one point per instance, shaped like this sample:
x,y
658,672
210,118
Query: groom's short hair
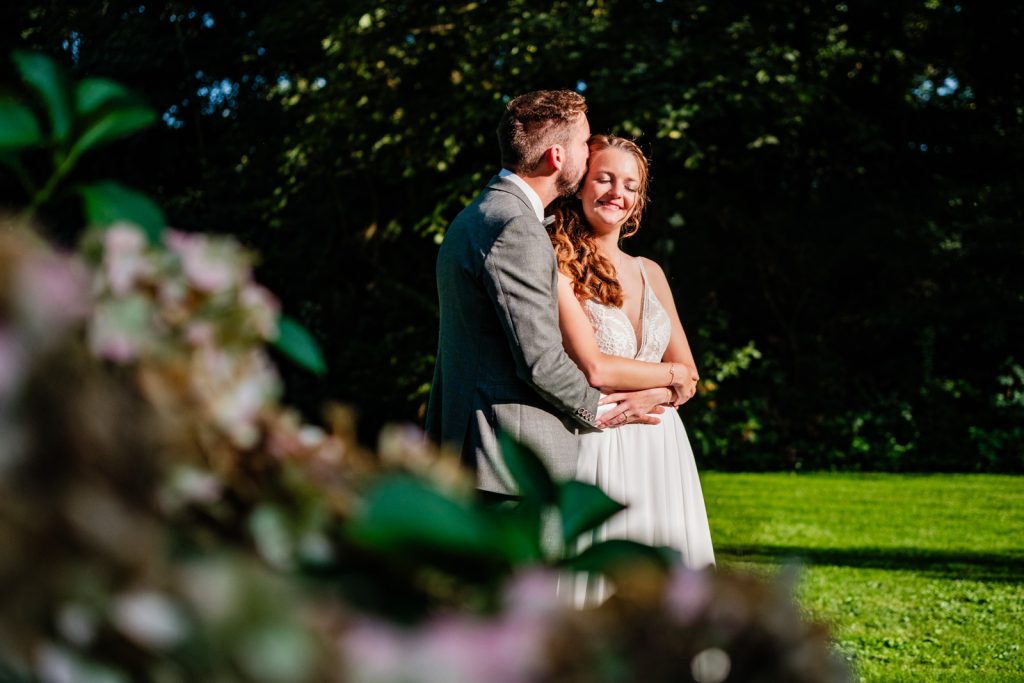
x,y
534,122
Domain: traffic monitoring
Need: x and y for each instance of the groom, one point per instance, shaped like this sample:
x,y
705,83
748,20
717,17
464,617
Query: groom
x,y
500,361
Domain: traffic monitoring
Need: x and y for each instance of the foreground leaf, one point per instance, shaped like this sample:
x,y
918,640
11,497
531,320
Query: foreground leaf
x,y
517,532
584,507
618,555
92,94
530,474
294,341
108,202
18,127
403,514
48,79
115,124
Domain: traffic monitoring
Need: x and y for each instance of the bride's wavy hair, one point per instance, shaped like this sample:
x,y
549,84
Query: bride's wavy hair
x,y
593,275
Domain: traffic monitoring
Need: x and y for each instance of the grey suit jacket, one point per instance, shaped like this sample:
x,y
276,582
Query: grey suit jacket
x,y
500,361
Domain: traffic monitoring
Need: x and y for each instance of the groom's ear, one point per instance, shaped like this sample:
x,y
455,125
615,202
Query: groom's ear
x,y
555,156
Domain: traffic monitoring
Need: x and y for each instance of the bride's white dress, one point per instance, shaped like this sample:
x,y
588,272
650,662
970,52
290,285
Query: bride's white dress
x,y
648,467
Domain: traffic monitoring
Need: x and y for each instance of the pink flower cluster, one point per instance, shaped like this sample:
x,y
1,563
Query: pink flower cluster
x,y
460,647
194,303
43,295
512,646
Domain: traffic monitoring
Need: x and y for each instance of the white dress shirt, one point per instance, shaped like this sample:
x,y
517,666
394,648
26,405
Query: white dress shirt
x,y
530,193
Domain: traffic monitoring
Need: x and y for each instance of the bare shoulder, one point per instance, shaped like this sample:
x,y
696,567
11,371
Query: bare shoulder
x,y
659,282
654,271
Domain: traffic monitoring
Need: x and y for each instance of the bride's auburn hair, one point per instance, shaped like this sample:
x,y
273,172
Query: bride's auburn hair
x,y
593,275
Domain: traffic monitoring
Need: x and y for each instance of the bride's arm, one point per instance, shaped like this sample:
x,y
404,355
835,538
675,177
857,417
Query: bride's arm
x,y
604,371
678,350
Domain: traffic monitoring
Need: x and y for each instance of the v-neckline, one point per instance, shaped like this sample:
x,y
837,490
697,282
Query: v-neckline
x,y
639,336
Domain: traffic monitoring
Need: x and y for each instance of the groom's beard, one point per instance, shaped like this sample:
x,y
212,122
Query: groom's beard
x,y
566,184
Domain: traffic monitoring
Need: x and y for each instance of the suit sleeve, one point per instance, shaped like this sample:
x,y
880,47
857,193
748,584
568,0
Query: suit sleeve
x,y
520,275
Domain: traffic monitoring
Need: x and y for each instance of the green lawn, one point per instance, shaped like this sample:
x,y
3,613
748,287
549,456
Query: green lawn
x,y
920,576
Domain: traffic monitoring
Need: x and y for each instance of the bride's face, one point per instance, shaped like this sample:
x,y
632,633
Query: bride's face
x,y
609,191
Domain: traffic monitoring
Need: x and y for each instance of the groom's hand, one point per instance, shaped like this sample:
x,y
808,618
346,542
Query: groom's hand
x,y
633,407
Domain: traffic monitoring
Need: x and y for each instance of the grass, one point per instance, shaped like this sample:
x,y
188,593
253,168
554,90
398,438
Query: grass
x,y
920,576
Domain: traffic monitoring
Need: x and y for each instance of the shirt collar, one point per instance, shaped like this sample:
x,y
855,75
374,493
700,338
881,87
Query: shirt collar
x,y
531,194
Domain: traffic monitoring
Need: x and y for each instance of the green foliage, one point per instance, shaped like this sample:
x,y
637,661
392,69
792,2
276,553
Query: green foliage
x,y
18,128
615,556
93,94
583,507
294,341
535,485
50,82
835,183
116,123
94,113
402,515
481,541
108,202
81,117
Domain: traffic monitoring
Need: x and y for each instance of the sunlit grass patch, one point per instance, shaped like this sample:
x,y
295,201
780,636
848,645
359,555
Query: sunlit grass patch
x,y
921,576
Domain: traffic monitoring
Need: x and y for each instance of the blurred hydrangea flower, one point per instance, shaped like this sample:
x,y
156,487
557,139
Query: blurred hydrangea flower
x,y
461,647
211,264
12,363
150,619
687,594
124,259
235,388
261,309
121,329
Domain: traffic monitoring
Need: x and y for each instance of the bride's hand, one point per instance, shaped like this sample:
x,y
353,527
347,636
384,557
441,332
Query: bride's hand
x,y
685,387
634,407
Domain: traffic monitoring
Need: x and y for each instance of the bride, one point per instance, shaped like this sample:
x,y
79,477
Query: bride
x,y
613,306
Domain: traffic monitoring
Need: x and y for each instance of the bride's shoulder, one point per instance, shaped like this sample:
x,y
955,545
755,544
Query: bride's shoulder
x,y
658,281
653,269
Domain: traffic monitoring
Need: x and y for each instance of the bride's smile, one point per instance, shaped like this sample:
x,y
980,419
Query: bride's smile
x,y
608,193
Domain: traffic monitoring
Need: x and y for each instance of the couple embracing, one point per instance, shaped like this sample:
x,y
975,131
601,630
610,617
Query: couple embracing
x,y
553,334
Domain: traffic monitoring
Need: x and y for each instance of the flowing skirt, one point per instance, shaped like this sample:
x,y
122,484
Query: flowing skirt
x,y
651,469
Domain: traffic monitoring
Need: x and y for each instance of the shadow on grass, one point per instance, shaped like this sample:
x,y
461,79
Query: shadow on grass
x,y
1008,567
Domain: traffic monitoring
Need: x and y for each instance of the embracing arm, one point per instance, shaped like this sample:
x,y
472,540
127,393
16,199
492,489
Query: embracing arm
x,y
518,274
605,371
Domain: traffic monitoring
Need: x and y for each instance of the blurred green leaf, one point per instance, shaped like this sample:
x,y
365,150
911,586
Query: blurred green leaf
x,y
583,507
294,341
92,94
108,202
518,531
48,79
400,513
18,127
532,477
619,555
117,123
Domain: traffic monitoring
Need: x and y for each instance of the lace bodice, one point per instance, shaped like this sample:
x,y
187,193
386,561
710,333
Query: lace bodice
x,y
615,333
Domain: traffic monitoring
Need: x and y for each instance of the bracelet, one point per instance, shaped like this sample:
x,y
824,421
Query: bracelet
x,y
672,373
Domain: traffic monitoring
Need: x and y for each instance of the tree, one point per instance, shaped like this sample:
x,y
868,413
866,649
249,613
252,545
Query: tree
x,y
833,182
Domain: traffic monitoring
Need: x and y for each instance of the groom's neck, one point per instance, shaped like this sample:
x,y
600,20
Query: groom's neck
x,y
543,185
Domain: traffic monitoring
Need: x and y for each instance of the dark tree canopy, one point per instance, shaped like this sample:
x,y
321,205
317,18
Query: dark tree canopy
x,y
834,190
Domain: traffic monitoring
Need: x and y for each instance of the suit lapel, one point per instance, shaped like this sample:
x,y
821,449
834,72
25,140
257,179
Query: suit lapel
x,y
500,184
